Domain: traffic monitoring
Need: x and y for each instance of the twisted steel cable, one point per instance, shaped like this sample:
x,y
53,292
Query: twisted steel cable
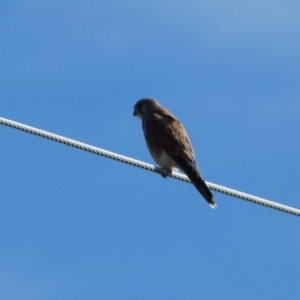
x,y
143,165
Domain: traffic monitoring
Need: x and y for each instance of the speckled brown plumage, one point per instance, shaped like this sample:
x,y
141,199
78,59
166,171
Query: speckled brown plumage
x,y
169,144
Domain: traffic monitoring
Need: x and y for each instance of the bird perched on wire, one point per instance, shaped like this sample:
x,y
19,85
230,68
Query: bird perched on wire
x,y
169,144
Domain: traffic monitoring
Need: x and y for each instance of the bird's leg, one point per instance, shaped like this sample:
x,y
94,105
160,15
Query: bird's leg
x,y
164,172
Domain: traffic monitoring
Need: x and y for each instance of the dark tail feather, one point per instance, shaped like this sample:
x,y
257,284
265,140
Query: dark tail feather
x,y
195,177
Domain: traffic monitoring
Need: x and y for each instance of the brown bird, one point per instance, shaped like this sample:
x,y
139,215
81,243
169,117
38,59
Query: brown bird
x,y
169,144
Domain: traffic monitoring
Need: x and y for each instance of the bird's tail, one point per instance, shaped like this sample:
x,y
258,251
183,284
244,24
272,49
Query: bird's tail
x,y
201,186
196,178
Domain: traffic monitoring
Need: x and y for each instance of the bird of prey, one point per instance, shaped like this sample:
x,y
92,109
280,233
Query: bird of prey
x,y
169,144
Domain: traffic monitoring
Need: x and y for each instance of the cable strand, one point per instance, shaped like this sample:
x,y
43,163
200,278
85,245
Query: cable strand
x,y
146,166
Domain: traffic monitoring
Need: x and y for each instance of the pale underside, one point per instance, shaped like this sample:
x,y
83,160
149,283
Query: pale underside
x,y
164,160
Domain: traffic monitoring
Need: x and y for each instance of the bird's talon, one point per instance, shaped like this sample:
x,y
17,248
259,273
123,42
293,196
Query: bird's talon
x,y
164,172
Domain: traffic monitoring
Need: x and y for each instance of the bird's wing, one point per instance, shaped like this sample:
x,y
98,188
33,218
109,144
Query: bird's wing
x,y
164,132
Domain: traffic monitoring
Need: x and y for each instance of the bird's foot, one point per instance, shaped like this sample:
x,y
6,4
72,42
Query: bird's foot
x,y
164,172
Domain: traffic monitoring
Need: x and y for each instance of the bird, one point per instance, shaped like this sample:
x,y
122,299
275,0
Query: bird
x,y
169,144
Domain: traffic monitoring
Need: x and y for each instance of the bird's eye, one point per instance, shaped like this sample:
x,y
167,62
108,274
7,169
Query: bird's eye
x,y
143,109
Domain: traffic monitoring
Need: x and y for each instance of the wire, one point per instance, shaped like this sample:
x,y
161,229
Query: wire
x,y
143,165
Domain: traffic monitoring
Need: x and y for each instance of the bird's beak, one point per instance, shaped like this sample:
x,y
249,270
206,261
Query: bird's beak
x,y
134,112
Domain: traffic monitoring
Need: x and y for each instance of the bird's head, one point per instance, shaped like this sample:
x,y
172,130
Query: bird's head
x,y
144,106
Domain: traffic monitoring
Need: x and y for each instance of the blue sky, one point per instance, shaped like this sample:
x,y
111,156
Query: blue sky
x,y
77,226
